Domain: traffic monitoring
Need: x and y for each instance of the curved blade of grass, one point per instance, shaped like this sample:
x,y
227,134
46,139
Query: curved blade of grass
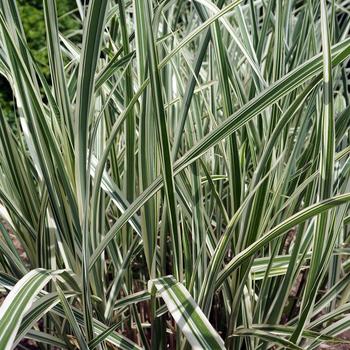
x,y
268,336
41,337
39,309
186,313
18,302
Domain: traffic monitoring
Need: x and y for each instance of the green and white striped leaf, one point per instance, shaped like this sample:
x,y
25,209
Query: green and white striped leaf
x,y
187,314
18,302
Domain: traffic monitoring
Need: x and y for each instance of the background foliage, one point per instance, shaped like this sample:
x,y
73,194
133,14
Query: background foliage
x,y
32,17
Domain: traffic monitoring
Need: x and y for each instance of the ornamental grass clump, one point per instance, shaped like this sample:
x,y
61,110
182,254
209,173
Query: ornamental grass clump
x,y
180,179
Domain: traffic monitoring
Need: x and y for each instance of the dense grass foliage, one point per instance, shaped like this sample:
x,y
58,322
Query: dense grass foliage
x,y
179,179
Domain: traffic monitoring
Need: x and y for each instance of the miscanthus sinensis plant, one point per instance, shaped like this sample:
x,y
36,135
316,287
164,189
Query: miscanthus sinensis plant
x,y
180,180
